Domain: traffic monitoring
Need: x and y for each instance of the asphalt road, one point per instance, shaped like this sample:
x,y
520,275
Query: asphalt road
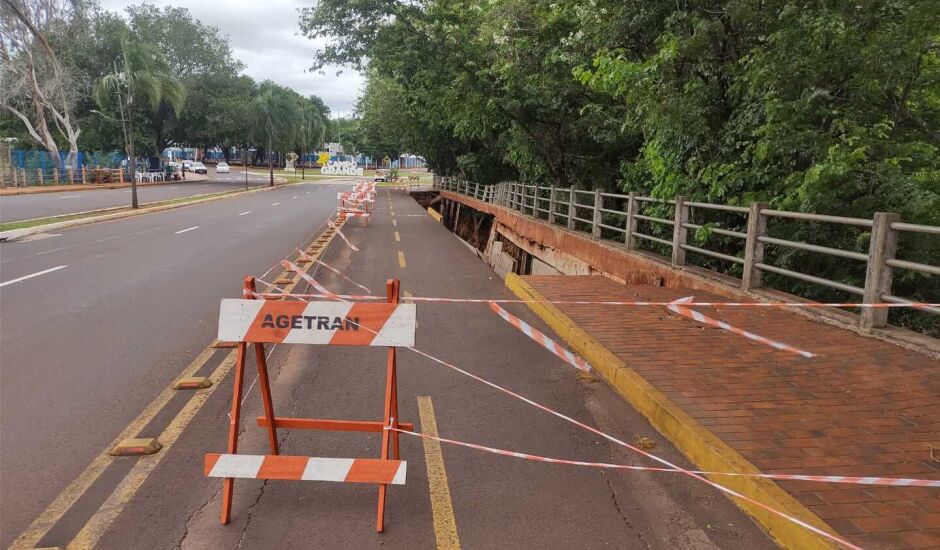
x,y
40,205
88,346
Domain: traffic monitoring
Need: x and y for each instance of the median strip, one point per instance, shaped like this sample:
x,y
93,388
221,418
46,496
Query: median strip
x,y
18,229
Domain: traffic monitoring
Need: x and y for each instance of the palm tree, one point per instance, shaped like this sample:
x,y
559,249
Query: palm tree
x,y
277,119
313,128
144,75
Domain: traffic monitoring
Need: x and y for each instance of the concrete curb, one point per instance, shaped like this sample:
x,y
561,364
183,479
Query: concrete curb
x,y
703,448
14,234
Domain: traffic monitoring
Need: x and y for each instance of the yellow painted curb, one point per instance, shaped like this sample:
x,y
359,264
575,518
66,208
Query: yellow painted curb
x,y
703,448
434,214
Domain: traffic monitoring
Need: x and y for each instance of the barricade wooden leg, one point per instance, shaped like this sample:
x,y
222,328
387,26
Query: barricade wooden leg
x,y
392,288
265,386
228,485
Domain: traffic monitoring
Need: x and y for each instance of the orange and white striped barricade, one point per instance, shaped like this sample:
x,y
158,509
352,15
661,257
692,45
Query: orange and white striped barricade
x,y
258,322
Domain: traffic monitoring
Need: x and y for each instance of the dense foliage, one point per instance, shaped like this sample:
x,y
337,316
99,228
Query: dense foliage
x,y
829,106
218,106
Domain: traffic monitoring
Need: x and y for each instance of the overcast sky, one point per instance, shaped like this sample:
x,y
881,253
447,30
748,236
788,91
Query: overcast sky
x,y
265,37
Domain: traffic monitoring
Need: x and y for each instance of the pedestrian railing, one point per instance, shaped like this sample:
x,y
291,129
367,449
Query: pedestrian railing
x,y
663,226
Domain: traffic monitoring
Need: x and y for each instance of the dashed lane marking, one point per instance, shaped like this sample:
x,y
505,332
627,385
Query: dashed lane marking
x,y
442,509
187,229
31,275
401,259
394,223
397,237
245,213
275,203
96,526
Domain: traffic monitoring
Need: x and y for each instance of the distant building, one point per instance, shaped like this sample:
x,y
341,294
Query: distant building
x,y
334,149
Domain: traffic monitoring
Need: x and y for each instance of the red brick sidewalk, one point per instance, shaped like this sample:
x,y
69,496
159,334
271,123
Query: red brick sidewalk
x,y
862,407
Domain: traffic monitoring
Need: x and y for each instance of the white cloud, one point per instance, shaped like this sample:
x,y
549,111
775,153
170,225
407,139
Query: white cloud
x,y
265,37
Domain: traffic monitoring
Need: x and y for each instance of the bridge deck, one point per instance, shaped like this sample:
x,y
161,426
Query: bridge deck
x,y
861,407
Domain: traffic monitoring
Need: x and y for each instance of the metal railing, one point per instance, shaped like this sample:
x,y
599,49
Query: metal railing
x,y
666,225
29,177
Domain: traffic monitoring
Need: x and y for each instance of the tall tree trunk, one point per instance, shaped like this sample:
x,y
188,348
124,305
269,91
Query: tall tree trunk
x,y
132,157
270,166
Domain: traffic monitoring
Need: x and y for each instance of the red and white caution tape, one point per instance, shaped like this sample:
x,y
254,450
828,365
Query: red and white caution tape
x,y
311,281
540,338
882,481
680,307
639,304
340,233
305,256
622,443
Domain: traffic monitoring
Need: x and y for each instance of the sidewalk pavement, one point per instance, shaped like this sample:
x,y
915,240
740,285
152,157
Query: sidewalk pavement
x,y
455,497
861,407
36,189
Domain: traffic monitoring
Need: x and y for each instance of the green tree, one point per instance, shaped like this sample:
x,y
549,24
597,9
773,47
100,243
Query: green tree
x,y
141,76
278,120
197,54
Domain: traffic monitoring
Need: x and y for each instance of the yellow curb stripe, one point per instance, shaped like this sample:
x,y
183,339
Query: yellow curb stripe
x,y
48,518
442,509
703,448
434,214
91,533
128,487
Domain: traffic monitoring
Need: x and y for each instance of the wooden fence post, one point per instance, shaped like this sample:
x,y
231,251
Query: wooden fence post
x,y
878,274
571,209
551,205
596,218
680,234
753,248
632,206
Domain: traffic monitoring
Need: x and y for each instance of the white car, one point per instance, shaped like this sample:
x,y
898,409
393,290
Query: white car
x,y
221,168
200,168
187,166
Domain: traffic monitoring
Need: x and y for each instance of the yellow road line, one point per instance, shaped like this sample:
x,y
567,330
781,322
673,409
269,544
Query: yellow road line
x,y
51,515
397,237
132,481
442,510
401,259
91,533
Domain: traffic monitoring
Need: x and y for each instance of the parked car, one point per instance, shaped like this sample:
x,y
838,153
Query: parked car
x,y
221,168
200,168
187,166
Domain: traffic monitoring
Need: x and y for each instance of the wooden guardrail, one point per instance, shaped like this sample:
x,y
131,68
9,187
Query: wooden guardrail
x,y
617,217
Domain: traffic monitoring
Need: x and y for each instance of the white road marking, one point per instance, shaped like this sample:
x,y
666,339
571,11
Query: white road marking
x,y
308,192
294,197
37,274
174,187
275,203
246,212
187,229
70,197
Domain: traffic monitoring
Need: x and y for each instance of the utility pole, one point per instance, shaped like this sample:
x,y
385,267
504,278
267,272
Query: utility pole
x,y
270,166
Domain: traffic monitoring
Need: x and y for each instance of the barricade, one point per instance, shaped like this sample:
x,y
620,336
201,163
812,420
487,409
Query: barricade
x,y
258,322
